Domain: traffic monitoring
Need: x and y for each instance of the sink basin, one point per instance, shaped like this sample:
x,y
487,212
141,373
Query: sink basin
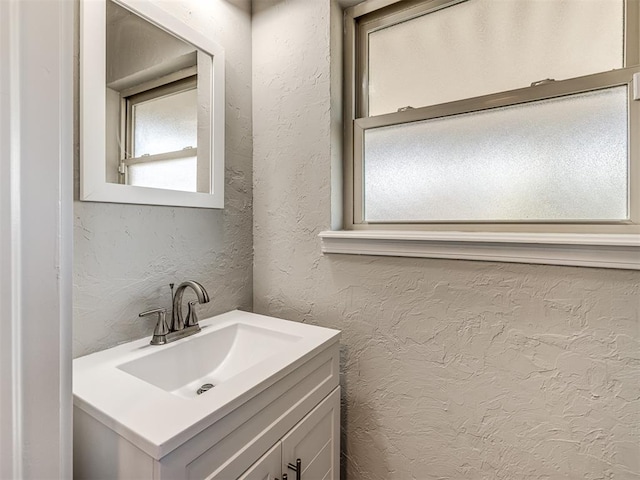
x,y
148,394
182,369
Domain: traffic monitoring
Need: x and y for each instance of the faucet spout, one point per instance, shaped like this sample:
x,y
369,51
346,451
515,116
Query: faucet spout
x,y
177,318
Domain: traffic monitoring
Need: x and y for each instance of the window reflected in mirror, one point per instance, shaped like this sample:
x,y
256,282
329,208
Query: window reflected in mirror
x,y
152,105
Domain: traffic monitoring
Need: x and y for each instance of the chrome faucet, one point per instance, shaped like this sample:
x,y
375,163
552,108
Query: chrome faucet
x,y
177,321
179,327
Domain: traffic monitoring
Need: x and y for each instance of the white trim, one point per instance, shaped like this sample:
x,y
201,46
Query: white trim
x,y
66,76
10,391
93,184
15,230
584,250
369,6
36,199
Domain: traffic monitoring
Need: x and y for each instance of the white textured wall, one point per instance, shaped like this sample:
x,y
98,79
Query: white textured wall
x,y
125,255
451,369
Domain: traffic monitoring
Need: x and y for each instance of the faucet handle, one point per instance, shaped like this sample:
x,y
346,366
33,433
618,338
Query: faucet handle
x,y
162,329
192,316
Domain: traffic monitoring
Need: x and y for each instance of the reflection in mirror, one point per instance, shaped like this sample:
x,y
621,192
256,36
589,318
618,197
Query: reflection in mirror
x,y
151,105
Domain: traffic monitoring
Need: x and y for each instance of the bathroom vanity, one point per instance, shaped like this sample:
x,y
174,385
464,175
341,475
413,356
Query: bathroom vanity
x,y
249,397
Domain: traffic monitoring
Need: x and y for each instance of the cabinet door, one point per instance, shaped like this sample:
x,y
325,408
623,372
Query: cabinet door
x,y
267,467
316,442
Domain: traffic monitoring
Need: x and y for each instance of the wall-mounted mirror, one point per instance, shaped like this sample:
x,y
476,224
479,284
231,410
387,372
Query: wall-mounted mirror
x,y
152,108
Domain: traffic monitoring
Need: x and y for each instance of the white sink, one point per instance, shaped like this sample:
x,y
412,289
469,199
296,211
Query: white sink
x,y
209,358
148,393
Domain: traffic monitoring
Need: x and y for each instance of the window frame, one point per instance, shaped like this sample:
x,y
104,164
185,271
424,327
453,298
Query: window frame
x,y
373,15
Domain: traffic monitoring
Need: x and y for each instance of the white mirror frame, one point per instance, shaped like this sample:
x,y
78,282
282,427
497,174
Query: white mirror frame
x,y
93,184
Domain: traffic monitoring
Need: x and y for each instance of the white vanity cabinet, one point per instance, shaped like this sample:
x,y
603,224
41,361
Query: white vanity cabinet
x,y
294,413
268,467
314,441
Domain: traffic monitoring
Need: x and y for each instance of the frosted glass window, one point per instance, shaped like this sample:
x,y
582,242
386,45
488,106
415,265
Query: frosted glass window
x,y
480,47
166,124
559,159
174,174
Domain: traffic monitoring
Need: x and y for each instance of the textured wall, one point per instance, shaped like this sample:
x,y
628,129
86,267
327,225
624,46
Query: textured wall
x,y
451,369
125,255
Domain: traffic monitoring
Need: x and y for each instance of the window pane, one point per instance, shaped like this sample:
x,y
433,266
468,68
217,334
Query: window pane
x,y
559,159
166,124
480,47
177,174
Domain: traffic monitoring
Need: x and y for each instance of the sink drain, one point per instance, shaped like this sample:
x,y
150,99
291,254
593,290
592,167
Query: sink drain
x,y
205,388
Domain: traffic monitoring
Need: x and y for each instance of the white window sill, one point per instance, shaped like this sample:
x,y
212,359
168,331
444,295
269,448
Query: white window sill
x,y
602,251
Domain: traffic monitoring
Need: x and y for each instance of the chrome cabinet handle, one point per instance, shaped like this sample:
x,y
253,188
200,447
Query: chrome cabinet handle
x,y
296,468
